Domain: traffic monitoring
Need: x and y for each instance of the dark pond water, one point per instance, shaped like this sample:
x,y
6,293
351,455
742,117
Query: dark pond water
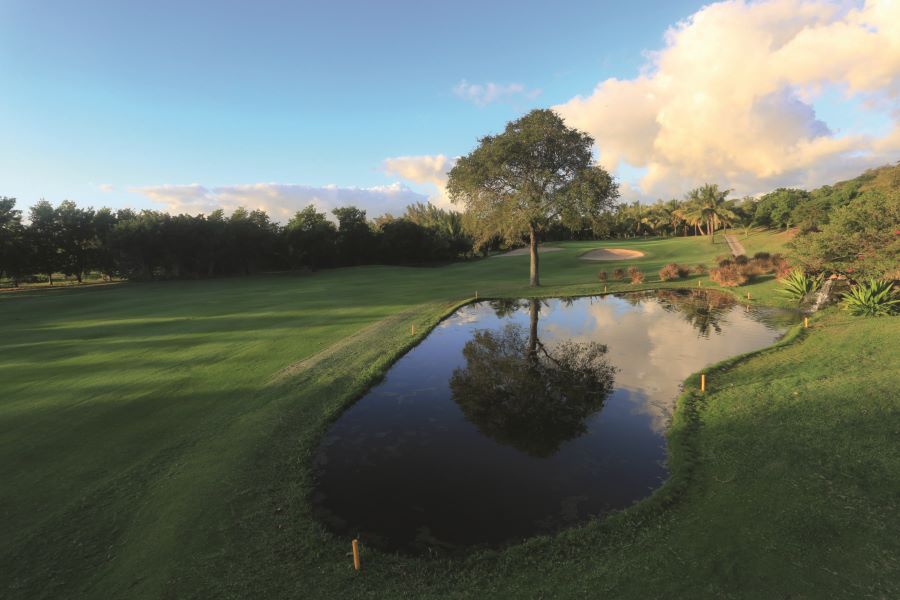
x,y
515,418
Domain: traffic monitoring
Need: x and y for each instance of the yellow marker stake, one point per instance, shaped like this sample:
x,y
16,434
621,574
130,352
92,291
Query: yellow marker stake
x,y
355,545
476,294
805,322
702,382
604,289
699,283
748,295
412,329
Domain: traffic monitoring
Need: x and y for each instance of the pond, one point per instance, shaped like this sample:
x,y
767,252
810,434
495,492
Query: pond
x,y
520,417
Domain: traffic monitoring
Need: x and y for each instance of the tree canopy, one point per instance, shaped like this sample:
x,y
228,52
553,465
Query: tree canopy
x,y
537,173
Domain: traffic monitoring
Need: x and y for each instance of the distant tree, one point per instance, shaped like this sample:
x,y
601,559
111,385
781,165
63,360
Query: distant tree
x,y
452,239
43,236
710,208
137,240
311,239
860,240
811,214
13,246
403,241
77,238
355,238
537,172
251,240
776,208
102,256
214,251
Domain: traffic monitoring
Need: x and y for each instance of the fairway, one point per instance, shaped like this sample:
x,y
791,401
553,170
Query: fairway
x,y
155,442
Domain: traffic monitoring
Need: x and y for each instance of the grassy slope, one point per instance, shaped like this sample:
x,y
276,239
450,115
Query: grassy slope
x,y
148,447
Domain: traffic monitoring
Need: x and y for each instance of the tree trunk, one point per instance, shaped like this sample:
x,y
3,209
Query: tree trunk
x,y
535,279
533,330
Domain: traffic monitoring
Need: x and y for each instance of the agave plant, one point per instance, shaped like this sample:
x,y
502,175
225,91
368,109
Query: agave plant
x,y
798,284
872,298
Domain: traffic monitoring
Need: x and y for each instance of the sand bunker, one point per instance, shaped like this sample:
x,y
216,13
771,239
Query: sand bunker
x,y
611,254
526,250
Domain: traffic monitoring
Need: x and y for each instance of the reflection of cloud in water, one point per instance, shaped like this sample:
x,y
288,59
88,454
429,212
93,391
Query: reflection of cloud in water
x,y
654,348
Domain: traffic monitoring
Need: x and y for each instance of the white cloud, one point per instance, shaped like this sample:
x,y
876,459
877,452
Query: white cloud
x,y
280,200
428,169
487,93
729,98
106,187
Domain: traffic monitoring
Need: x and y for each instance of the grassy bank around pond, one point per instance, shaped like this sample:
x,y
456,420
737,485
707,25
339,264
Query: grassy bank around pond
x,y
155,441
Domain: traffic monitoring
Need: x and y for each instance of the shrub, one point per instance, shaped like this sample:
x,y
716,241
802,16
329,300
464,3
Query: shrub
x,y
618,274
729,275
670,271
602,276
674,271
782,269
762,256
796,285
741,259
725,262
872,298
700,269
765,263
636,275
753,269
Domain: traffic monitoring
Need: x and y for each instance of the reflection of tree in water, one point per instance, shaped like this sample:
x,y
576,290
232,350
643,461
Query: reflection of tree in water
x,y
504,307
704,310
528,396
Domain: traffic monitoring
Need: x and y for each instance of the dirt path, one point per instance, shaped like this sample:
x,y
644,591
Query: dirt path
x,y
736,247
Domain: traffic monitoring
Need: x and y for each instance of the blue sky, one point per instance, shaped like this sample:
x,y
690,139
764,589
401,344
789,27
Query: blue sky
x,y
131,95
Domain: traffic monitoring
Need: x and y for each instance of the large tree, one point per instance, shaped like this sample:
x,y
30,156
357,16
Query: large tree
x,y
538,172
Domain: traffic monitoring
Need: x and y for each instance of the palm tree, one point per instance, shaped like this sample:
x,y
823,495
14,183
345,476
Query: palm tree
x,y
710,207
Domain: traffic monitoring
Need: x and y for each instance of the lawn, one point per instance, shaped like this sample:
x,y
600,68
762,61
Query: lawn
x,y
155,442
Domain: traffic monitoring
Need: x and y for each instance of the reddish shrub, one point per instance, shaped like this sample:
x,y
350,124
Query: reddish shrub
x,y
782,270
618,274
753,269
636,276
602,276
730,275
700,269
670,271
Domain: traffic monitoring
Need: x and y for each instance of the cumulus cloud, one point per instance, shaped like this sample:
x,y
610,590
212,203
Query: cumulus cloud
x,y
280,200
106,187
730,97
428,169
487,93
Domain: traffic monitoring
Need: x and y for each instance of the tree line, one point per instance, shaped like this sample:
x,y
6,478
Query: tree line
x,y
148,244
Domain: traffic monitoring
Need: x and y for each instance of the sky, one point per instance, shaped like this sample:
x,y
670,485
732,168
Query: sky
x,y
189,106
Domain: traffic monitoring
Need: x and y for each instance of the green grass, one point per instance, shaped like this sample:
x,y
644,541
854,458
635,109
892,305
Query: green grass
x,y
155,442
